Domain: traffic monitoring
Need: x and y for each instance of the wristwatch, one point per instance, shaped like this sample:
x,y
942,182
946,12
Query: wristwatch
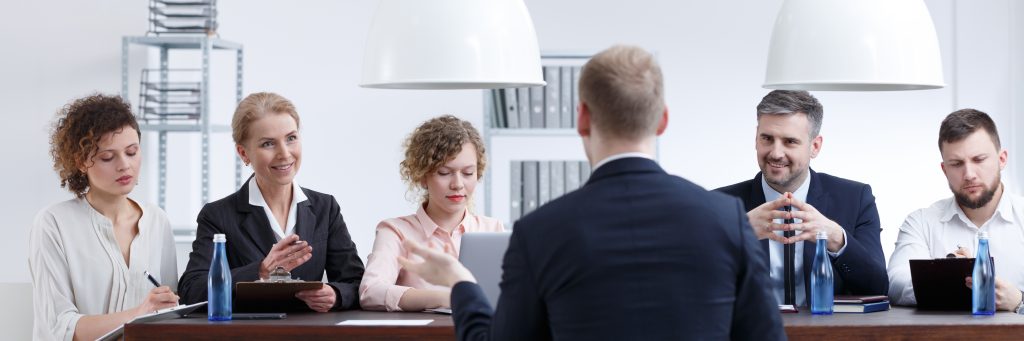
x,y
1020,306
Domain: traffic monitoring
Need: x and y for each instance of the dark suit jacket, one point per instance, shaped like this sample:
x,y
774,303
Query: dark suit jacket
x,y
635,254
249,239
860,270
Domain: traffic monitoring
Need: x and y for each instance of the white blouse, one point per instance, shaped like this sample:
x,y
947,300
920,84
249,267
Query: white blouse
x,y
77,268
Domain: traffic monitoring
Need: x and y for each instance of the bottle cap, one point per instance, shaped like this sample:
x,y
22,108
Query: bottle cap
x,y
822,235
219,238
982,234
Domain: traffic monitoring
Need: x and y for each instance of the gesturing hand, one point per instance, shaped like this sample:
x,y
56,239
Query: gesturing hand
x,y
320,300
158,298
288,253
437,267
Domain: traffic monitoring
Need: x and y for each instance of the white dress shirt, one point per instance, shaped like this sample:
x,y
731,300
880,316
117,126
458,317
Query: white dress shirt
x,y
776,250
256,199
77,268
935,231
620,156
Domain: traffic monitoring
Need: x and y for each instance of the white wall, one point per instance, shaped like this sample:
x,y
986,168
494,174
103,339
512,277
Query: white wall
x,y
50,52
712,53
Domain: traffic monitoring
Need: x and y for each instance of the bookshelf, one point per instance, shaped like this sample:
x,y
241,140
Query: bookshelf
x,y
522,143
516,146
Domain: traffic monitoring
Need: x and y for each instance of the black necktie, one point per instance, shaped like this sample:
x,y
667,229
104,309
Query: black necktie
x,y
789,255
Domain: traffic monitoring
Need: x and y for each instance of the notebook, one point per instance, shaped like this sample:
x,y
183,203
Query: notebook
x,y
861,308
159,315
939,283
482,253
859,299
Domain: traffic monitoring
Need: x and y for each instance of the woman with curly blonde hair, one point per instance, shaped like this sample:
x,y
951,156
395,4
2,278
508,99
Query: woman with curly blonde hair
x,y
89,255
444,161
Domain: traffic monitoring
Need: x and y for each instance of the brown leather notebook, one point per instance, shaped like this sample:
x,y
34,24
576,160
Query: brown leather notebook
x,y
859,299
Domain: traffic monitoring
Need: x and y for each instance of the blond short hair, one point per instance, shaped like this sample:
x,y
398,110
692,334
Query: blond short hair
x,y
256,106
623,88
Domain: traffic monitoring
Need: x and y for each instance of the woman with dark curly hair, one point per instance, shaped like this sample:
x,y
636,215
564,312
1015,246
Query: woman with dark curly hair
x,y
89,255
444,160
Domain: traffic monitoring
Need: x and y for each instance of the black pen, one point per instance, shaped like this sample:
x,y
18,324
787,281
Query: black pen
x,y
151,279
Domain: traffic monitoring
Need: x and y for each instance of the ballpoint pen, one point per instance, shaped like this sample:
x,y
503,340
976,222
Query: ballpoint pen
x,y
151,279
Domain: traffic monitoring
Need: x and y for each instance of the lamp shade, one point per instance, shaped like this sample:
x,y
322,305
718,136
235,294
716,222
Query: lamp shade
x,y
858,45
451,44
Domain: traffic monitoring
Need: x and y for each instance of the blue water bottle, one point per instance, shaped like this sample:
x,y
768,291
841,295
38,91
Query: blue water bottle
x,y
983,289
218,286
821,278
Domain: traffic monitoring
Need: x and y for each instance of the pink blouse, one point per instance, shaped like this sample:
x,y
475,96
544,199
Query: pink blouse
x,y
384,281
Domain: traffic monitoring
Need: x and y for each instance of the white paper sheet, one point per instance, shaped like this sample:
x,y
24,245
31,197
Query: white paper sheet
x,y
385,322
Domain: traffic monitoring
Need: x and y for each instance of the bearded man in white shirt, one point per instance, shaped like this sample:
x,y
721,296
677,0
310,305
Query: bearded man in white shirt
x,y
972,160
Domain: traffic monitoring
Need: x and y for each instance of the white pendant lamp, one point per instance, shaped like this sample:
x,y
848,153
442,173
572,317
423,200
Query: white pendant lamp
x,y
451,44
856,45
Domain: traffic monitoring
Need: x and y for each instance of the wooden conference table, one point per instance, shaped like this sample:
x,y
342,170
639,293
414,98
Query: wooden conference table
x,y
896,324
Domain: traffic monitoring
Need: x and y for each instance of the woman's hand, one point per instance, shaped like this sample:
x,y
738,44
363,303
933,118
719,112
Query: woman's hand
x,y
288,253
158,298
320,300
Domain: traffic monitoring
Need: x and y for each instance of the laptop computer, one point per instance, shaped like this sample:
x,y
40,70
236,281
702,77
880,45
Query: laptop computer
x,y
482,253
939,283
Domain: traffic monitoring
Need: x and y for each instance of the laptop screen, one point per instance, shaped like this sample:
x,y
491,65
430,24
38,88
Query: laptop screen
x,y
482,253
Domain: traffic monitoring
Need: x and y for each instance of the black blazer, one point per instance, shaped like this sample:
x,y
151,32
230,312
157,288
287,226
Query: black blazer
x,y
249,239
635,254
860,270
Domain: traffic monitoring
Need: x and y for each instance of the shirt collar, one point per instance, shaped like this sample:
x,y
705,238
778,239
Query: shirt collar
x,y
97,216
800,193
256,196
951,211
429,227
1004,210
621,156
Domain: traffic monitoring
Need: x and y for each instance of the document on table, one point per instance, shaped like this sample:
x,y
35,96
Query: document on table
x,y
788,308
159,315
384,322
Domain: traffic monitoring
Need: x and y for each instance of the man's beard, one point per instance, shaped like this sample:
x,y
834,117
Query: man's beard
x,y
784,181
986,196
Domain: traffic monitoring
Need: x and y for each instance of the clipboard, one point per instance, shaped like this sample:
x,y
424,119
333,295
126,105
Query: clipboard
x,y
272,296
159,315
939,283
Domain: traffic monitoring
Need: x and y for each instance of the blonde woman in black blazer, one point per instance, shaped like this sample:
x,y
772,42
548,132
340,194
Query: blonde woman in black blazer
x,y
272,222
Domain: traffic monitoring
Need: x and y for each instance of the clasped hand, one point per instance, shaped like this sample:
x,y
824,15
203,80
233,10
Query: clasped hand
x,y
762,220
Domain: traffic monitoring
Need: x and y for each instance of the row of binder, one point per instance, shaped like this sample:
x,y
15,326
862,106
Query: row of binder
x,y
183,17
548,107
535,183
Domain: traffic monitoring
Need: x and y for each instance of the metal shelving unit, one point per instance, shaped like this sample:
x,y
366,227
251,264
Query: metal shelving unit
x,y
201,124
